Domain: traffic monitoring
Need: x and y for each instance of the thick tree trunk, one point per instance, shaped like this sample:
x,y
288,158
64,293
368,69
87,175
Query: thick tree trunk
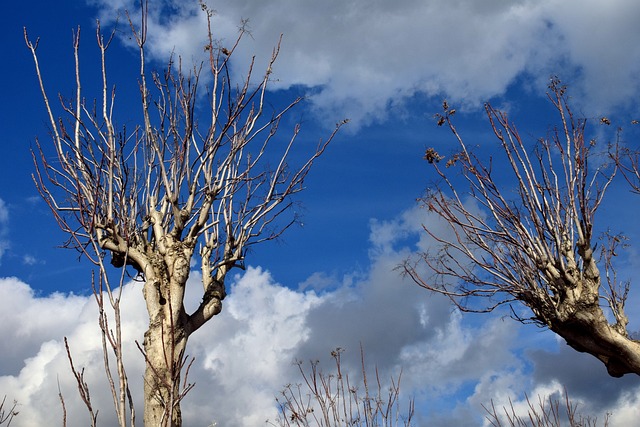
x,y
587,330
166,339
580,320
164,346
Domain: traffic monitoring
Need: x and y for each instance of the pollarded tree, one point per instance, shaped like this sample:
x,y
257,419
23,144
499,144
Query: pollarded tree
x,y
181,187
528,237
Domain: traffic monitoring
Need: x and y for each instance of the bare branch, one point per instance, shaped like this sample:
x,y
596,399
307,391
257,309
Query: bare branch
x,y
168,191
547,413
529,238
7,415
328,399
83,388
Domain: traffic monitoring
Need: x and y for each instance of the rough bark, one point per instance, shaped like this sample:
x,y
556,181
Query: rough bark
x,y
162,385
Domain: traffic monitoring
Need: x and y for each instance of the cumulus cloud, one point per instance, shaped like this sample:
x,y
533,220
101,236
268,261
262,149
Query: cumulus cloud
x,y
34,364
362,60
451,363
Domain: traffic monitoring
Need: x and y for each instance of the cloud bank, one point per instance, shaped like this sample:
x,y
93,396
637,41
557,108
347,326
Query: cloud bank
x,y
363,60
451,364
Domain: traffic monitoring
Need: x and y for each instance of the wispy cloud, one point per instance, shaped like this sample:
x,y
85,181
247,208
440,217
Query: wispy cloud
x,y
363,60
30,260
4,220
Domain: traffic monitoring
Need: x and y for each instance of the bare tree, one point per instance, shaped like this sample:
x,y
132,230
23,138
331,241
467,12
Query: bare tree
x,y
334,399
547,413
528,236
178,188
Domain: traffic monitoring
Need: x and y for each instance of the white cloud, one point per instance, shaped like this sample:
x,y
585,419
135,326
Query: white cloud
x,y
30,260
600,39
35,362
362,60
243,357
246,353
28,320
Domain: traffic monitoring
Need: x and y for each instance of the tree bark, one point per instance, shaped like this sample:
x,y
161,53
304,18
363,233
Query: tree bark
x,y
587,330
166,271
164,346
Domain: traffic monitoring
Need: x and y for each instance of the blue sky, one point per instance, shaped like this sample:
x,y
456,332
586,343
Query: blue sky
x,y
386,66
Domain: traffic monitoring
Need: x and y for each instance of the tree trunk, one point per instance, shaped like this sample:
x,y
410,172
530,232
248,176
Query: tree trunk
x,y
166,339
164,346
587,330
580,320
